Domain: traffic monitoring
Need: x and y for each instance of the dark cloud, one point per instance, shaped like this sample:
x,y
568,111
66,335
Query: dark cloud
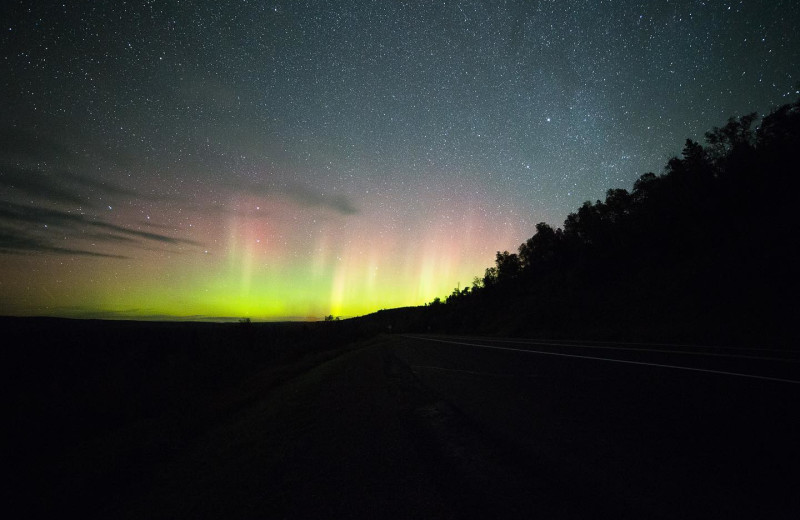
x,y
307,197
11,212
110,237
37,184
14,243
41,167
303,195
65,187
143,234
68,187
75,224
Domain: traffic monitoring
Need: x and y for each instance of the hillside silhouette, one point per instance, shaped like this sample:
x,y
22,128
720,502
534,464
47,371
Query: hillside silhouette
x,y
705,251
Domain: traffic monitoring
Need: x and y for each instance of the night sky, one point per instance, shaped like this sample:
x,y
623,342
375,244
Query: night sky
x,y
290,160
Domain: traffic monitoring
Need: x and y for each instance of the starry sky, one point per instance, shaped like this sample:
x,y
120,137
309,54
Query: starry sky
x,y
294,159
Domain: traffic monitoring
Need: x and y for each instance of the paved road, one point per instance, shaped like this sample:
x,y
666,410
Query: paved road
x,y
755,363
650,431
440,427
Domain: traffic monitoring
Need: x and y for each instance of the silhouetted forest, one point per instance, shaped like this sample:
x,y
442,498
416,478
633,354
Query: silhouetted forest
x,y
705,251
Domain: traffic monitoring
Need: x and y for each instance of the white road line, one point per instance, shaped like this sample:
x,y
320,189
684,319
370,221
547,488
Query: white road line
x,y
550,341
692,369
662,351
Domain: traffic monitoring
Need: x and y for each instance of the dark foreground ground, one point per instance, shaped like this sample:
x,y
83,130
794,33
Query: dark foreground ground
x,y
125,420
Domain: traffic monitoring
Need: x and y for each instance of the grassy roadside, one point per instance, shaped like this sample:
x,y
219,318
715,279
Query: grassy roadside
x,y
332,441
97,409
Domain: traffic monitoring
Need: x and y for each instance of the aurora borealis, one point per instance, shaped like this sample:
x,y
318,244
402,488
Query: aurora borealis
x,y
290,160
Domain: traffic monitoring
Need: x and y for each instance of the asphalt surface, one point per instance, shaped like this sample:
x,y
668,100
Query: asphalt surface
x,y
635,430
409,427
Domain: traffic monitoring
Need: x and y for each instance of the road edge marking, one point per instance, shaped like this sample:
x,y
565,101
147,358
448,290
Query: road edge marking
x,y
628,362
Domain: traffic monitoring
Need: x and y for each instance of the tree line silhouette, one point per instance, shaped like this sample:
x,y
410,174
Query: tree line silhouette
x,y
704,251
